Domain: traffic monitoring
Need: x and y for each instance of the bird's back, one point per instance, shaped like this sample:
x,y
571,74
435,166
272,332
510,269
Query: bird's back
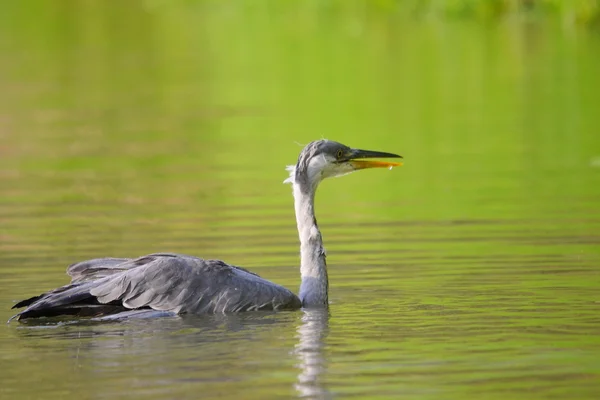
x,y
164,282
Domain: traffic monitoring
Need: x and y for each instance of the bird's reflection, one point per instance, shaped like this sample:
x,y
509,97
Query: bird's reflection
x,y
191,348
311,334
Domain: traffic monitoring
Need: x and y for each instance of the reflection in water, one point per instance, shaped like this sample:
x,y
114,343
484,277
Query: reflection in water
x,y
311,336
184,351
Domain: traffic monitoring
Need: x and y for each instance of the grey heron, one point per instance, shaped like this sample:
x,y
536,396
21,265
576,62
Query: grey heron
x,y
182,284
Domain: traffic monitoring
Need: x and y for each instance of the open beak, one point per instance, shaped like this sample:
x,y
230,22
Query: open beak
x,y
357,159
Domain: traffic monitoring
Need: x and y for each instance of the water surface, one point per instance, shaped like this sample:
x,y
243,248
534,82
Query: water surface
x,y
471,272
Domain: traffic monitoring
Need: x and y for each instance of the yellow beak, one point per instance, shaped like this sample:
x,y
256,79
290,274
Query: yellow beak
x,y
362,164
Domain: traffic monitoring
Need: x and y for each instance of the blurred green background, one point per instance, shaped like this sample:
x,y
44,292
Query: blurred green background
x,y
131,127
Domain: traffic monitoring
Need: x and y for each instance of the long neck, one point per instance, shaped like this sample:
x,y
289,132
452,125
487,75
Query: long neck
x,y
313,268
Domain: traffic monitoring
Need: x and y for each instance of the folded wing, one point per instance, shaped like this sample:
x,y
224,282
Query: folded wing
x,y
163,282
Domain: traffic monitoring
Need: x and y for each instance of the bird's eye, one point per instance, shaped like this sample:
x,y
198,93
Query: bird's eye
x,y
339,154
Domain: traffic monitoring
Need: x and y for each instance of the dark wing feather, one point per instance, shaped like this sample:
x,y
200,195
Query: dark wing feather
x,y
163,282
89,270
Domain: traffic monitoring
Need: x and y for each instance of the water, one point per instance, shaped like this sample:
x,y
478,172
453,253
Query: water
x,y
471,272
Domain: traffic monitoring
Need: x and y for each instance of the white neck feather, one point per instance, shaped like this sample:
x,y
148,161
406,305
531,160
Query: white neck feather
x,y
313,267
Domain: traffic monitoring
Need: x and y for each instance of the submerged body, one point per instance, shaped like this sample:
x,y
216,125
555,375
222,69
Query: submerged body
x,y
183,284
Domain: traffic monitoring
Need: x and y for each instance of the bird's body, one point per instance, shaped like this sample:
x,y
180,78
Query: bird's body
x,y
176,283
182,284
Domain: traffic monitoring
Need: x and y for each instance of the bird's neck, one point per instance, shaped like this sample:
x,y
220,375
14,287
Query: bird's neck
x,y
313,268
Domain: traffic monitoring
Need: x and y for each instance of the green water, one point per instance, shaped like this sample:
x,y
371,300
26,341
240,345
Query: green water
x,y
471,272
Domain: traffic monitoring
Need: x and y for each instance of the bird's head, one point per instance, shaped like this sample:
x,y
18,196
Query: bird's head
x,y
325,158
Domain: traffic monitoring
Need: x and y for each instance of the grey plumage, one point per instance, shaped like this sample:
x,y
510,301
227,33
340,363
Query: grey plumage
x,y
164,282
182,284
312,150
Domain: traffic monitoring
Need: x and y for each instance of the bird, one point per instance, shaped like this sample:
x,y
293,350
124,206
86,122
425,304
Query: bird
x,y
183,284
